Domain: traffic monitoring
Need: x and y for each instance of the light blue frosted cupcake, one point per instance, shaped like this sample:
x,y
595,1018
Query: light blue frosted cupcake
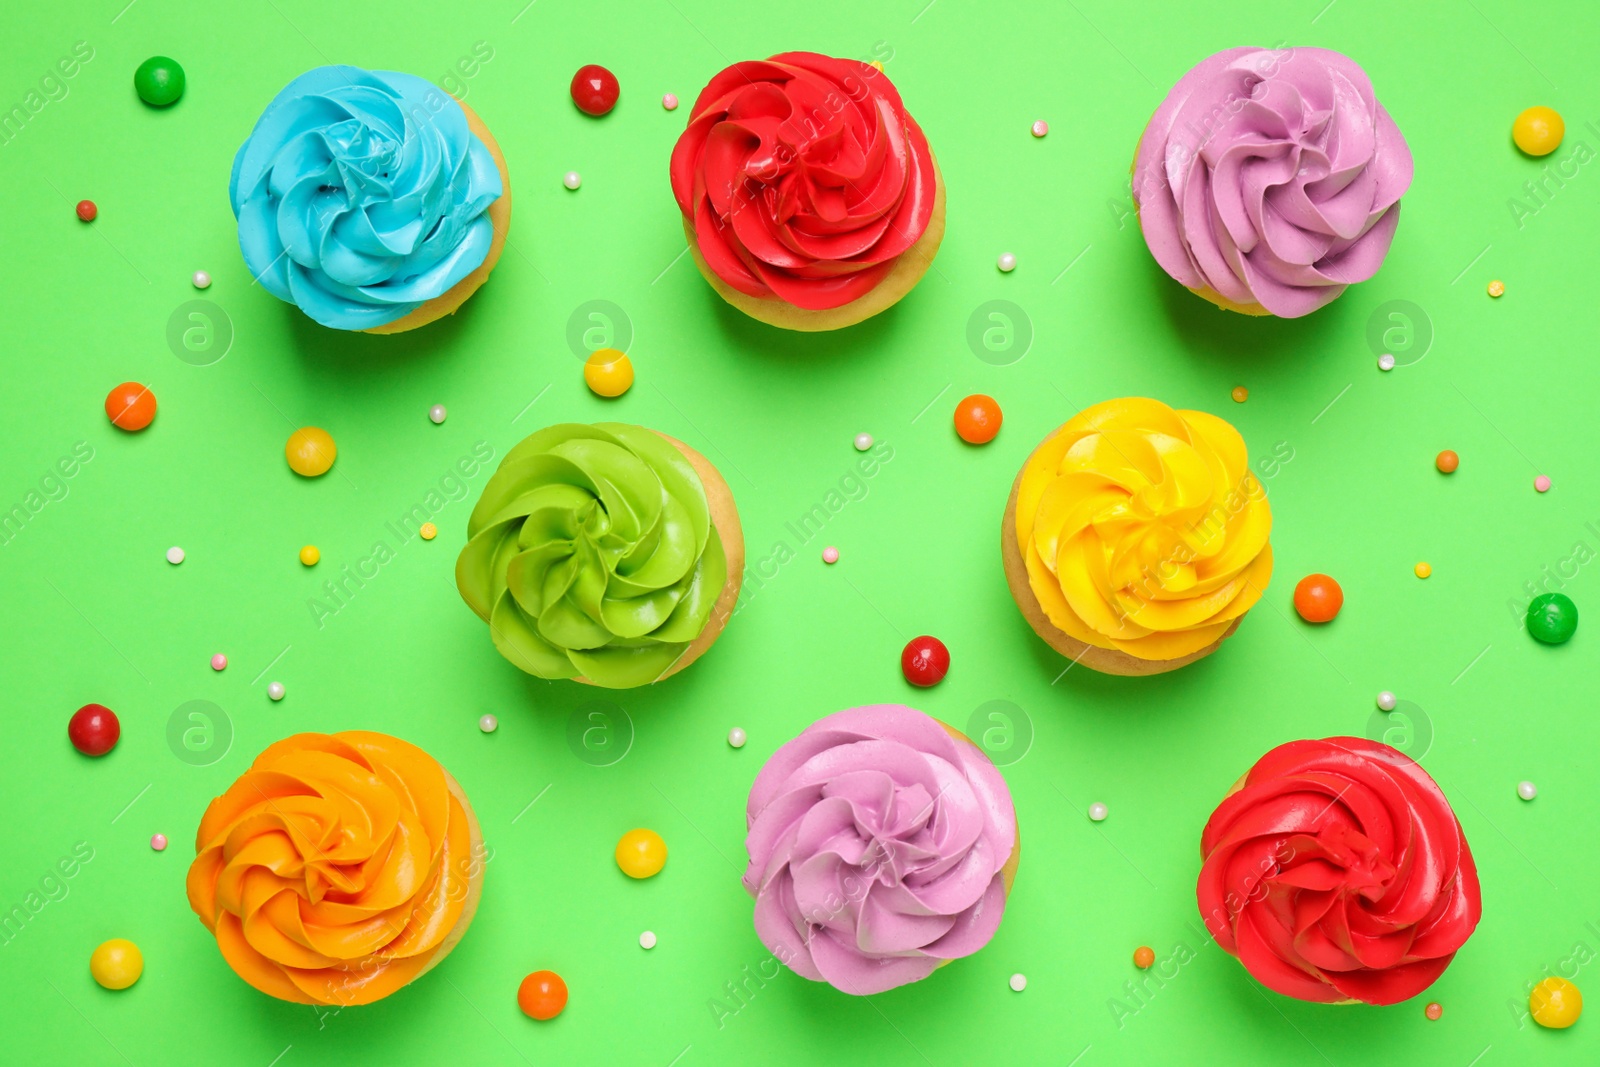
x,y
371,200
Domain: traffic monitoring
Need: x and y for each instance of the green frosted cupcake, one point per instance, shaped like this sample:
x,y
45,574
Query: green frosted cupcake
x,y
609,554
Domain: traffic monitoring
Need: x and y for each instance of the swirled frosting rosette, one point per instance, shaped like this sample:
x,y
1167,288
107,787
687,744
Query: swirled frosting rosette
x,y
1270,179
373,200
1135,537
882,845
809,195
1336,872
610,554
338,868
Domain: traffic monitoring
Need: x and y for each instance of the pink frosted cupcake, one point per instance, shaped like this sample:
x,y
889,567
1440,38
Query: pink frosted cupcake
x,y
1270,179
882,845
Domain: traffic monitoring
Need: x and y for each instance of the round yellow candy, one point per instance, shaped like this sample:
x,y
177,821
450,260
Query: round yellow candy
x,y
608,372
429,531
1556,1003
1423,570
310,451
641,853
117,963
309,555
1538,131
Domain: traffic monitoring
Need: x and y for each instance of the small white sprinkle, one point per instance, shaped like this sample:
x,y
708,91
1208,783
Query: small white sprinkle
x,y
275,690
1386,362
1386,700
1007,262
863,442
488,724
647,940
670,101
437,413
1019,982
1527,790
572,179
736,737
1098,811
174,555
201,280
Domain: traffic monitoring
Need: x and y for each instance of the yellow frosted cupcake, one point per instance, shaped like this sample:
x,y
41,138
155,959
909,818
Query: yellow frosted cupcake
x,y
1135,537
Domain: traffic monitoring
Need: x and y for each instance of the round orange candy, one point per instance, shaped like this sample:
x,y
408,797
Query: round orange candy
x,y
1143,957
608,372
1240,394
1538,131
641,853
1318,598
310,451
1556,1003
542,995
1447,461
978,419
130,406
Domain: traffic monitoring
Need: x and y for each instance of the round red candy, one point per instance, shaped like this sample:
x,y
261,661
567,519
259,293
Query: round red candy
x,y
925,661
94,729
1318,598
595,89
978,419
130,406
87,211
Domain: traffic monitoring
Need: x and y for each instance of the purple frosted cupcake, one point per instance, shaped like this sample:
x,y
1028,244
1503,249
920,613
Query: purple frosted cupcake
x,y
1270,179
882,846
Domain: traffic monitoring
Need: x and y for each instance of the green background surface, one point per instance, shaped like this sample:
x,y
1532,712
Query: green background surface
x,y
94,613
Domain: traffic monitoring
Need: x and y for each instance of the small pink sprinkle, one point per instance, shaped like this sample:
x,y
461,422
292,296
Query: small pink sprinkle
x,y
1542,483
1041,128
830,555
159,842
670,102
219,661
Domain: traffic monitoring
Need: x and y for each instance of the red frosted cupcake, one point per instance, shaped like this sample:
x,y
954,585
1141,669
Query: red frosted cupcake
x,y
809,195
1336,872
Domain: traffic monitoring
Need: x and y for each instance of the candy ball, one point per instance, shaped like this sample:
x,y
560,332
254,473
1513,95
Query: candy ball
x,y
1527,790
647,939
1433,1011
275,690
1447,462
1143,957
1538,131
641,853
1386,362
175,555
1041,128
310,451
1497,288
1318,598
830,555
159,81
201,280
925,661
670,101
130,406
158,842
1422,570
978,419
116,964
542,995
1541,483
488,724
736,738
309,555
94,729
608,373
863,442
1007,262
1018,982
219,662
1098,812
1240,394
1387,701
1552,618
429,531
572,179
1555,1003
595,89
86,211
437,413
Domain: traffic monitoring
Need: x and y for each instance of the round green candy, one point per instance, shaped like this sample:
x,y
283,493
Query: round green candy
x,y
1552,618
159,81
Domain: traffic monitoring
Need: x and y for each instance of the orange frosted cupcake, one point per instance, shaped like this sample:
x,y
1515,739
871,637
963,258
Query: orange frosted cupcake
x,y
1135,537
338,868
